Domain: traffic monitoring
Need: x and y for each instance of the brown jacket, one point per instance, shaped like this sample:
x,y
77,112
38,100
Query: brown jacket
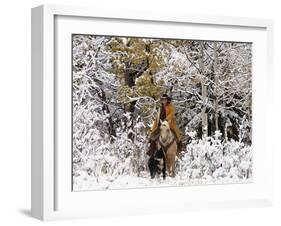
x,y
170,117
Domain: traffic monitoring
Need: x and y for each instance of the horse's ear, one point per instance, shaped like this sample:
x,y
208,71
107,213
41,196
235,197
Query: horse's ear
x,y
161,121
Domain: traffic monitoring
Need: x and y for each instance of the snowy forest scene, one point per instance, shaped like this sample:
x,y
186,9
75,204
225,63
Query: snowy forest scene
x,y
155,112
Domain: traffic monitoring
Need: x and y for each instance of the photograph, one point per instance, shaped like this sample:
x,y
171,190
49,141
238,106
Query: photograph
x,y
157,112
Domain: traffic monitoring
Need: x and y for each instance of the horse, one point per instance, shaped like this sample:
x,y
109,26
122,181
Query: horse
x,y
167,141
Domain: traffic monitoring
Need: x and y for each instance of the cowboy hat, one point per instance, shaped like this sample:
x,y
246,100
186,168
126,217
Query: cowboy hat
x,y
165,96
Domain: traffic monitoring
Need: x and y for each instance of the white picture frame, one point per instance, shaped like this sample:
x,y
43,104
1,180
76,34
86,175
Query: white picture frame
x,y
52,197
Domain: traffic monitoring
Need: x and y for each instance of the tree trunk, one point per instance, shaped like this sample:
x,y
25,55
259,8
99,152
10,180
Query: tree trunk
x,y
204,92
106,110
216,78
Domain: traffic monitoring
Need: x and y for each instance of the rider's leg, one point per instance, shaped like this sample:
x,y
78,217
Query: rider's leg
x,y
152,147
153,144
179,146
178,138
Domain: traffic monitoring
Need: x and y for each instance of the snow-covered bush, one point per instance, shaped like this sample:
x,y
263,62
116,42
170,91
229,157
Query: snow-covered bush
x,y
211,159
103,161
123,164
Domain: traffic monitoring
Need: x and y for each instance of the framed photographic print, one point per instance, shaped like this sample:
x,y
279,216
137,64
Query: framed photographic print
x,y
131,107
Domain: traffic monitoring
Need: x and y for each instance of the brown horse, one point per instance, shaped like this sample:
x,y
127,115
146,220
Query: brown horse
x,y
167,141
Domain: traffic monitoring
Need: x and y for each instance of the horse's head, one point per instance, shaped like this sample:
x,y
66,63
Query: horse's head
x,y
164,128
164,124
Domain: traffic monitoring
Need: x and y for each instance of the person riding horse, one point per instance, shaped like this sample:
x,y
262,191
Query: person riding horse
x,y
167,112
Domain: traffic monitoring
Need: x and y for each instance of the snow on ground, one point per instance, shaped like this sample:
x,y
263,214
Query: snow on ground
x,y
86,183
205,162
